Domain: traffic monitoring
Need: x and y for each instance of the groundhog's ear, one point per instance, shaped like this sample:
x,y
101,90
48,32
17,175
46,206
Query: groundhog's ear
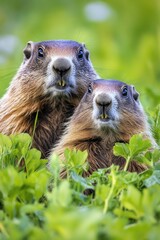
x,y
28,50
135,93
84,45
86,51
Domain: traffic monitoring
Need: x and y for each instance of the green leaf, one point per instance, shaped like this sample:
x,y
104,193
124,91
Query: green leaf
x,y
155,155
76,160
61,195
81,181
152,180
23,139
102,191
131,201
33,160
138,145
121,149
5,142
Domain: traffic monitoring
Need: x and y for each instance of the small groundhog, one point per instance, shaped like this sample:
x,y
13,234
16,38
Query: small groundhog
x,y
48,86
109,112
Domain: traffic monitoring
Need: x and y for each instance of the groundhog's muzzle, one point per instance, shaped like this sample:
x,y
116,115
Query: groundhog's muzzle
x,y
103,103
61,68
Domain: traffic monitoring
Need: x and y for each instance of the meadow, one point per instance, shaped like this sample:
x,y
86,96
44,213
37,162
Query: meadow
x,y
35,203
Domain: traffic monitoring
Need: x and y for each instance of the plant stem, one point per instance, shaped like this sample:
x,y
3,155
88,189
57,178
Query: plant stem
x,y
127,163
35,124
110,194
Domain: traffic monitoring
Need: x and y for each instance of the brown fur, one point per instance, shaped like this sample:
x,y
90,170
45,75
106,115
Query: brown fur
x,y
83,132
29,95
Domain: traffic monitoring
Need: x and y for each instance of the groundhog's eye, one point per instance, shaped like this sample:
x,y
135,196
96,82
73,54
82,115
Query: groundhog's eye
x,y
80,54
125,91
40,52
89,88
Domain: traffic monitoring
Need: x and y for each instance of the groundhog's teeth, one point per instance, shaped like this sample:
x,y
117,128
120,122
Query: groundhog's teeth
x,y
103,116
61,83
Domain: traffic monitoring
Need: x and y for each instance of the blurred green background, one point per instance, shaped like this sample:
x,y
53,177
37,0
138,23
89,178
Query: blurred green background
x,y
123,37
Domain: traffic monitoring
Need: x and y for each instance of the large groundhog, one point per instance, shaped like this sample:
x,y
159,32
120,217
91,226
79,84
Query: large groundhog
x,y
109,112
48,86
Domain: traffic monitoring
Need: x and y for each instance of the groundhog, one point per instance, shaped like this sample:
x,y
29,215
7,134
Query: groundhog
x,y
109,112
45,91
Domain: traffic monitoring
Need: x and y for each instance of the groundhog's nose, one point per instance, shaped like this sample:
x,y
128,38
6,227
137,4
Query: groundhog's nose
x,y
61,66
103,100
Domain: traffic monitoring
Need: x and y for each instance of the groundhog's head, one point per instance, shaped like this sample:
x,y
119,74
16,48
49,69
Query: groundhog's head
x,y
62,67
114,109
